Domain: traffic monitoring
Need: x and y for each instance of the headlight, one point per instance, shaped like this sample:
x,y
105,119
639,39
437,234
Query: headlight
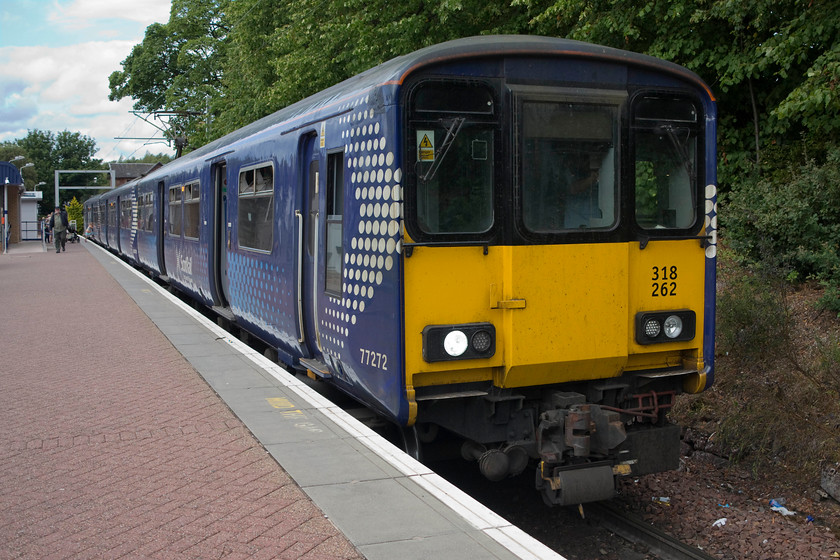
x,y
673,326
665,326
459,342
455,343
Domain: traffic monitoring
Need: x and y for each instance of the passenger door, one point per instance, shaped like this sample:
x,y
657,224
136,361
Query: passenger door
x,y
221,235
159,225
309,219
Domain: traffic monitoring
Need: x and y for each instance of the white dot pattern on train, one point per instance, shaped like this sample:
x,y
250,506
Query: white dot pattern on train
x,y
711,220
374,183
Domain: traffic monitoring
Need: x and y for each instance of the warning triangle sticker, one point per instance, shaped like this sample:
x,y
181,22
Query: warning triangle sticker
x,y
426,143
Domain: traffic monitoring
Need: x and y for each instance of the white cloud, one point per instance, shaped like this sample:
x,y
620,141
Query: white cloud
x,y
83,12
69,86
66,87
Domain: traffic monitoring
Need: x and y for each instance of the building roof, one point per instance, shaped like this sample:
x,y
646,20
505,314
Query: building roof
x,y
9,174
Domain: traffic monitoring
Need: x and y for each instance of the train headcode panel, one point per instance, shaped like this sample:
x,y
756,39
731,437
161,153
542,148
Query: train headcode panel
x,y
506,240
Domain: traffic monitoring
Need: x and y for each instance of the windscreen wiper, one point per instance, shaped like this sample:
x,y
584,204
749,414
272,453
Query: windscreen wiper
x,y
451,133
680,148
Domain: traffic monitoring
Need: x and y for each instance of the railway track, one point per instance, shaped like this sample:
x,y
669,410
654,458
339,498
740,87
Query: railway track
x,y
638,531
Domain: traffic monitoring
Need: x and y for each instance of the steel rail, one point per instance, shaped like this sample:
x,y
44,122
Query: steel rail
x,y
633,529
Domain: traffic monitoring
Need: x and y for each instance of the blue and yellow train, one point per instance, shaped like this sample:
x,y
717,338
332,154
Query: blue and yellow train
x,y
506,239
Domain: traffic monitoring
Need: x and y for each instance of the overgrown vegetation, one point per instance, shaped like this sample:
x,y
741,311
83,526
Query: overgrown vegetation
x,y
774,406
789,223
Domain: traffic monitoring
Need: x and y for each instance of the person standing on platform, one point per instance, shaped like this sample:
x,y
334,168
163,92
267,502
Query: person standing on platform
x,y
58,225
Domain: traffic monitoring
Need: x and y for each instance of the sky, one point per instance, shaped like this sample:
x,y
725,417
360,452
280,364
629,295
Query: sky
x,y
55,59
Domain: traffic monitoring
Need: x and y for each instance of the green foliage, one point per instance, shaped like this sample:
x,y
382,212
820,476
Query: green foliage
x,y
178,67
791,223
64,150
76,211
248,58
751,316
148,158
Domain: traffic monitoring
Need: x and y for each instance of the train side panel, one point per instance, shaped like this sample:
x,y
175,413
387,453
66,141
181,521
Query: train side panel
x,y
260,274
185,251
336,245
147,227
359,321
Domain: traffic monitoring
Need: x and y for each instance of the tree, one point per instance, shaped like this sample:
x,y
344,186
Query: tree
x,y
774,65
177,67
248,58
65,150
76,211
247,75
148,158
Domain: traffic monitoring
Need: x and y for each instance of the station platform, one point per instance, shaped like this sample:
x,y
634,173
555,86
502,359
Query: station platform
x,y
134,427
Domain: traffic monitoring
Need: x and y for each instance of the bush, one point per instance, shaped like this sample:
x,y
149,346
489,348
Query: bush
x,y
752,317
791,224
774,405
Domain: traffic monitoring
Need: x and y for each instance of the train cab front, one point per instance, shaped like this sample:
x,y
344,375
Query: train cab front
x,y
558,274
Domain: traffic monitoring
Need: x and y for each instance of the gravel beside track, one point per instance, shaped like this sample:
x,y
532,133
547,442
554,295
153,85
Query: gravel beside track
x,y
707,490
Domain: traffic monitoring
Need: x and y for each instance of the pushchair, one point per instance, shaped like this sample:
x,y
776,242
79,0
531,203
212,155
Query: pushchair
x,y
72,236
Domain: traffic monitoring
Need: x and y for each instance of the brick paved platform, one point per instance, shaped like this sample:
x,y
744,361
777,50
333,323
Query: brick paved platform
x,y
133,428
112,446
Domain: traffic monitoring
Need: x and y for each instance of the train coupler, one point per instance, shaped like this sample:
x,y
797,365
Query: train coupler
x,y
580,430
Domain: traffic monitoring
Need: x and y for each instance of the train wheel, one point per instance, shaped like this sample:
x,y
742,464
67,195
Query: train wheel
x,y
411,442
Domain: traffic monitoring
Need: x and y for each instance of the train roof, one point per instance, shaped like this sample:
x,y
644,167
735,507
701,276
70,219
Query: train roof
x,y
396,70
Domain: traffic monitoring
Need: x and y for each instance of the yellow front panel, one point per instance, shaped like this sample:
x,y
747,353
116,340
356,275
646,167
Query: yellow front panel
x,y
448,286
574,325
668,275
561,312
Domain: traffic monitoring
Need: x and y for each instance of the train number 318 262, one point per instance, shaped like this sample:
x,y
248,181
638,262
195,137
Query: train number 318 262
x,y
664,281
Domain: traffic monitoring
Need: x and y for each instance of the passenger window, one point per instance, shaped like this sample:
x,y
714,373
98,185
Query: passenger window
x,y
335,223
255,217
150,212
192,207
125,213
175,210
